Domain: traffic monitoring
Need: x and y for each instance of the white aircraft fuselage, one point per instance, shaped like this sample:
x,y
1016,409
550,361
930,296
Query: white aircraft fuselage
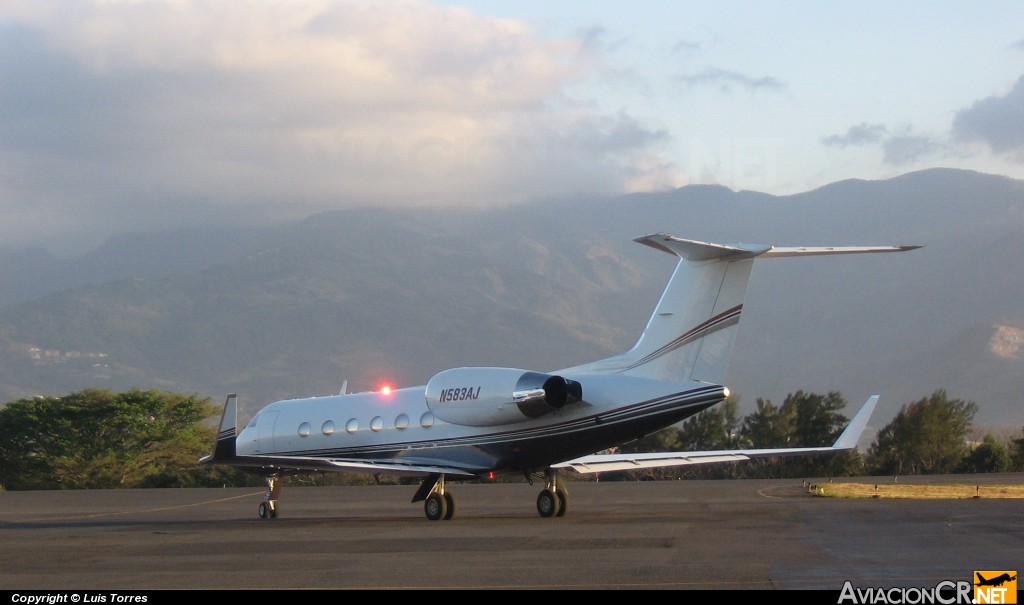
x,y
406,426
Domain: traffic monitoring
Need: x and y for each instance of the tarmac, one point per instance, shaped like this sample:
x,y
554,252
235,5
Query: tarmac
x,y
689,535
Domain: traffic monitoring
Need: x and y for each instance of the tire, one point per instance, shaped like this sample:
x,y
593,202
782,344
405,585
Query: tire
x,y
563,502
436,507
264,511
449,500
548,503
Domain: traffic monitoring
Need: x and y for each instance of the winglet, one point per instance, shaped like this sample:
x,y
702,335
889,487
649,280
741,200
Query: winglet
x,y
851,435
224,448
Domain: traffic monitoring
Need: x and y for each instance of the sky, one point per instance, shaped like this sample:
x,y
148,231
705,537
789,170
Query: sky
x,y
157,115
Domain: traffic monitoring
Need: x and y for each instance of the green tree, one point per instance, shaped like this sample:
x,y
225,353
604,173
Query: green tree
x,y
665,440
928,436
990,456
1017,453
769,426
817,419
716,428
803,420
711,429
99,439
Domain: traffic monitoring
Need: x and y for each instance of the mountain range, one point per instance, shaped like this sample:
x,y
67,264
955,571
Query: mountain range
x,y
363,296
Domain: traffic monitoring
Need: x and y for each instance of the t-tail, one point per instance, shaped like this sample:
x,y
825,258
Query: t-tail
x,y
691,333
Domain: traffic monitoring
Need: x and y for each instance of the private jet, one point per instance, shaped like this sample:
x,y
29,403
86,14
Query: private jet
x,y
473,422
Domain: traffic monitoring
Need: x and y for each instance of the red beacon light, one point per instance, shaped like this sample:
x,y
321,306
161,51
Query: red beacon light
x,y
385,390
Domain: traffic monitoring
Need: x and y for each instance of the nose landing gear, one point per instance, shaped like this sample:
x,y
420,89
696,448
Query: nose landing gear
x,y
268,508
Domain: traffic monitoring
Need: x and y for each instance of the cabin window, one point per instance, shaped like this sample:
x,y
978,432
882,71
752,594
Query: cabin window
x,y
402,422
376,424
352,425
328,427
427,420
305,429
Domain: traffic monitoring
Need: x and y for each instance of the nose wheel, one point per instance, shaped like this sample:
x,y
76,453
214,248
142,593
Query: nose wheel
x,y
268,508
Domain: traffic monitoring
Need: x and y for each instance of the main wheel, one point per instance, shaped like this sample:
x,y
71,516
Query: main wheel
x,y
436,507
563,501
548,503
267,510
449,500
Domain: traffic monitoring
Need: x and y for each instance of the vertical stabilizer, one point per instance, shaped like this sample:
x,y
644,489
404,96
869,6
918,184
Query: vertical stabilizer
x,y
693,327
691,333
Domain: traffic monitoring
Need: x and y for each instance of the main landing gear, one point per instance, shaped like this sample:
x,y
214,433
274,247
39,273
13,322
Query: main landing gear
x,y
553,500
268,508
438,503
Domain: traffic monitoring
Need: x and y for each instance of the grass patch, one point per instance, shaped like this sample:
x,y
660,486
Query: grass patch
x,y
895,490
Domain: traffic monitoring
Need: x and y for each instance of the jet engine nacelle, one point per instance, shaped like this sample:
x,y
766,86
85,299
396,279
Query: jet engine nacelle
x,y
493,396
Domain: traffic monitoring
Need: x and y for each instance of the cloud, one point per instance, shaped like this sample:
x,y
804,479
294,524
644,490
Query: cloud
x,y
909,148
899,149
594,36
597,38
861,134
725,81
997,121
607,134
652,173
687,46
121,115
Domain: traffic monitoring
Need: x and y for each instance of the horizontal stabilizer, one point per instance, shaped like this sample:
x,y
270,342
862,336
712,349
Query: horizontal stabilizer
x,y
780,251
697,251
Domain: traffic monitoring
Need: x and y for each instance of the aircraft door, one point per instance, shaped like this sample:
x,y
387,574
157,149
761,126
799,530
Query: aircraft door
x,y
266,423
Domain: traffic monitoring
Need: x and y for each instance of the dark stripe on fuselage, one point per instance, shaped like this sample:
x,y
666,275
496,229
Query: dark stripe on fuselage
x,y
547,444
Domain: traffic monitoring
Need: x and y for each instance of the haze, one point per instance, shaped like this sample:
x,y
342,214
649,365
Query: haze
x,y
128,116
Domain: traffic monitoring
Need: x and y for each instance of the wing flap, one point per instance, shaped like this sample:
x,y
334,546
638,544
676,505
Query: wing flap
x,y
600,463
376,467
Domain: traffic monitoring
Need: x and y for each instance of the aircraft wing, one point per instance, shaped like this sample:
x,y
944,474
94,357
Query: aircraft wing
x,y
287,464
597,463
